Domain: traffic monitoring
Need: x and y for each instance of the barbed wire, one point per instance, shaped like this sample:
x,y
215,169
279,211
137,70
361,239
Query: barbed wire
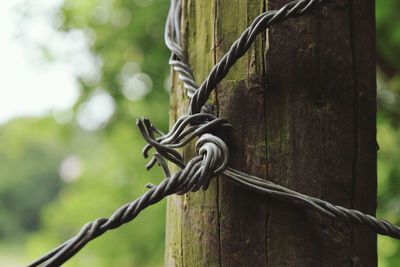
x,y
212,152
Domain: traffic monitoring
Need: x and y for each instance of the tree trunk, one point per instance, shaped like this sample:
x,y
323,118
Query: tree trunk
x,y
303,104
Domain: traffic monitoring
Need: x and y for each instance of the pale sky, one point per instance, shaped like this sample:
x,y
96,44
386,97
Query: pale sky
x,y
28,85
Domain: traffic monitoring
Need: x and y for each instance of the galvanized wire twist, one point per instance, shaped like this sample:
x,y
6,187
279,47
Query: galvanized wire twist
x,y
212,152
241,46
343,214
271,189
178,59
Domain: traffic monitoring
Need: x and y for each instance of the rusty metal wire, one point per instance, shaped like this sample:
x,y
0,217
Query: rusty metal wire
x,y
212,152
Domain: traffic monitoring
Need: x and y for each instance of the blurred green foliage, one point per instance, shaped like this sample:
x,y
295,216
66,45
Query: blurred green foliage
x,y
112,174
28,163
123,35
122,32
40,208
388,58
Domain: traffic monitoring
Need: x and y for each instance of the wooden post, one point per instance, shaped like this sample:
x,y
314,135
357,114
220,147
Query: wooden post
x,y
303,104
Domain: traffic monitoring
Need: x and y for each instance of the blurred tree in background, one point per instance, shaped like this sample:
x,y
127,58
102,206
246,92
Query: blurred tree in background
x,y
126,37
100,164
40,153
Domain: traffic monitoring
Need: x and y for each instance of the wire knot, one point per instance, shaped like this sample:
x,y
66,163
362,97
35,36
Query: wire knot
x,y
215,150
214,155
186,129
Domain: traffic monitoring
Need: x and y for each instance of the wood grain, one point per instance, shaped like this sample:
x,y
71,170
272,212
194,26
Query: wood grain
x,y
303,104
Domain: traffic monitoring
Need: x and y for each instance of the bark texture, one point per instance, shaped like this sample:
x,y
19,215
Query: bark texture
x,y
303,104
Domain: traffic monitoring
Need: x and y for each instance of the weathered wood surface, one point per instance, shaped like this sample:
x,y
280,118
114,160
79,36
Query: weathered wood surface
x,y
303,103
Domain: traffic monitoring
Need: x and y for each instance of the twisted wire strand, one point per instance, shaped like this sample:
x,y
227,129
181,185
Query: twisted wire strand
x,y
211,160
351,216
241,46
178,59
259,185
